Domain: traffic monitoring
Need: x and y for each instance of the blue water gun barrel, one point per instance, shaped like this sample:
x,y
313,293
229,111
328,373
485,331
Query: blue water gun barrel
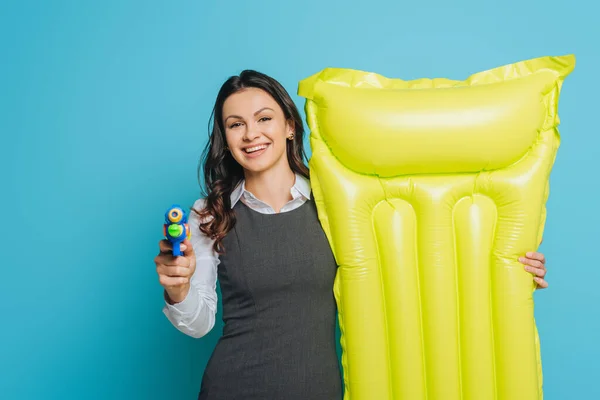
x,y
176,228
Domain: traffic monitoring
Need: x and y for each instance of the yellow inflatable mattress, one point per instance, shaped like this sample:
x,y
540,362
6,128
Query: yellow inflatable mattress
x,y
429,191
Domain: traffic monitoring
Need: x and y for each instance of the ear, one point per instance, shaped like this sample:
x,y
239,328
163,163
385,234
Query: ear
x,y
291,126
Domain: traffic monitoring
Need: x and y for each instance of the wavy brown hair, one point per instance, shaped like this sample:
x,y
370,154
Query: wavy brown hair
x,y
220,170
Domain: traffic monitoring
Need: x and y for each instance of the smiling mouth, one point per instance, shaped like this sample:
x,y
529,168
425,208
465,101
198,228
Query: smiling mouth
x,y
254,149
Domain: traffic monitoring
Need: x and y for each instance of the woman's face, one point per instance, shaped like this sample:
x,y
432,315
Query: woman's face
x,y
256,130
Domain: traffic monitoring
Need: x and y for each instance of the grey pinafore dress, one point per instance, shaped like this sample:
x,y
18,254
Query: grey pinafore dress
x,y
278,341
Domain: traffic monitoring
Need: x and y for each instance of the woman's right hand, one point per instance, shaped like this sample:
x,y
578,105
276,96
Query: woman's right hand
x,y
174,273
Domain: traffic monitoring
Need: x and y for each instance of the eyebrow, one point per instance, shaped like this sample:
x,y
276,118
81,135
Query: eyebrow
x,y
256,113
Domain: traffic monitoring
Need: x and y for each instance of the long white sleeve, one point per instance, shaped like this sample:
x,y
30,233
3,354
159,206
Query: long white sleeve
x,y
195,315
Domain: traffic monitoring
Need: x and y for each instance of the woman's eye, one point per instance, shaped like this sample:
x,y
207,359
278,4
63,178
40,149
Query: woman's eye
x,y
235,125
264,119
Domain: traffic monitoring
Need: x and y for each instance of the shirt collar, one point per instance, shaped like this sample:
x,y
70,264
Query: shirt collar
x,y
301,188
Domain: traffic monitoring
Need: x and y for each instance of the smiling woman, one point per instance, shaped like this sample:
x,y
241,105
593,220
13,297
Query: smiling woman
x,y
257,131
258,231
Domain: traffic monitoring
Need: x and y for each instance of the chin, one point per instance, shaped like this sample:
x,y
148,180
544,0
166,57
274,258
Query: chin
x,y
257,166
257,169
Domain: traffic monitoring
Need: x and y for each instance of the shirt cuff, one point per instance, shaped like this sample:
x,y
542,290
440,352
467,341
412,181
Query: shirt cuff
x,y
187,305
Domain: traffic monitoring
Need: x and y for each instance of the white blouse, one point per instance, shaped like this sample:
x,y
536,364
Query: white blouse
x,y
195,315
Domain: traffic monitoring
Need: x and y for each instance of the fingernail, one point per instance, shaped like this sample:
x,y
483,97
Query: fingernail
x,y
529,254
521,259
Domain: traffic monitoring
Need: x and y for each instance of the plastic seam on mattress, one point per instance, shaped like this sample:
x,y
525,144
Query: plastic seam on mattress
x,y
458,302
385,195
346,369
422,332
492,307
383,293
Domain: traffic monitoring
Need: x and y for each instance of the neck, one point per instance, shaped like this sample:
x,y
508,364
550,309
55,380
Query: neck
x,y
272,187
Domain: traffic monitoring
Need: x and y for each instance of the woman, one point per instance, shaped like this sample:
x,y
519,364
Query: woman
x,y
258,231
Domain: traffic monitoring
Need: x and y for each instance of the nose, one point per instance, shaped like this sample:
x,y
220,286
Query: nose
x,y
251,133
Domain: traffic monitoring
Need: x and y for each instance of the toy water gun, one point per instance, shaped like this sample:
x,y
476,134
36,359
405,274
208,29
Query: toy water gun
x,y
176,228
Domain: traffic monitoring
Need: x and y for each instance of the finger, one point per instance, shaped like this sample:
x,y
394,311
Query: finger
x,y
165,246
187,248
179,261
536,256
182,272
542,284
532,262
182,262
536,271
170,281
166,259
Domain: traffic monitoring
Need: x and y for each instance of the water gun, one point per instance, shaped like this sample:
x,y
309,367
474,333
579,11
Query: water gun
x,y
176,228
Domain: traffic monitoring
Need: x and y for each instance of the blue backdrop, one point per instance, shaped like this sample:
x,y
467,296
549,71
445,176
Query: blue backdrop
x,y
104,109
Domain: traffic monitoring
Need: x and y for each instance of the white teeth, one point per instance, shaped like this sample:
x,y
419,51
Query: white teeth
x,y
255,148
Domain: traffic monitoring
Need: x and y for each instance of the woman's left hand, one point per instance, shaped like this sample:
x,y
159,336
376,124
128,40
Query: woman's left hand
x,y
535,264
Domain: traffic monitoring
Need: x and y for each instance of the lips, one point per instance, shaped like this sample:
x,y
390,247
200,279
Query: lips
x,y
256,148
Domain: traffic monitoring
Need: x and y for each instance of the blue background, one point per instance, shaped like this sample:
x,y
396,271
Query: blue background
x,y
104,110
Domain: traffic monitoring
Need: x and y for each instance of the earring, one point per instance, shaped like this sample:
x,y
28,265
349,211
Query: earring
x,y
291,136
